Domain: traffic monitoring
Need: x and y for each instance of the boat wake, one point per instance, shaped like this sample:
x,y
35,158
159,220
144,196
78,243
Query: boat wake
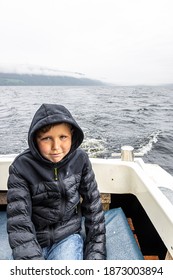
x,y
150,141
93,147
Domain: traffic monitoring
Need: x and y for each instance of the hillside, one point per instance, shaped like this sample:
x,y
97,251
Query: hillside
x,y
12,79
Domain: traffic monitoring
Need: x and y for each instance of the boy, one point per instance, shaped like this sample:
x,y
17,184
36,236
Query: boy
x,y
45,185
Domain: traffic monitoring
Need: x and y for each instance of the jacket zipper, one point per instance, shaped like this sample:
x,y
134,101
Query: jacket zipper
x,y
63,194
56,174
57,177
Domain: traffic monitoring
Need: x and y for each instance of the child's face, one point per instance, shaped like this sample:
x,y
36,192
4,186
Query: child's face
x,y
55,144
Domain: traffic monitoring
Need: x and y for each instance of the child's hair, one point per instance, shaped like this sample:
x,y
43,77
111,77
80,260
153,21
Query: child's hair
x,y
46,128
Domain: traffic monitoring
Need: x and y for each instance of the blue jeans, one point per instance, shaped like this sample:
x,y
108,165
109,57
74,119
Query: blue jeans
x,y
70,248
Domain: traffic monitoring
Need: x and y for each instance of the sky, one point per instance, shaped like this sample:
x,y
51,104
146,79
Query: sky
x,y
118,41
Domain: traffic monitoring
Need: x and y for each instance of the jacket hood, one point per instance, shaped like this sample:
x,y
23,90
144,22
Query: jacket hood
x,y
51,114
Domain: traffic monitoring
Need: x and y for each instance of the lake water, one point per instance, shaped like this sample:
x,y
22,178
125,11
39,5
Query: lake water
x,y
110,117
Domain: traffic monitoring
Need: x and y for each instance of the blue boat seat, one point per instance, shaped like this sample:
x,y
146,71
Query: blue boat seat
x,y
120,242
5,250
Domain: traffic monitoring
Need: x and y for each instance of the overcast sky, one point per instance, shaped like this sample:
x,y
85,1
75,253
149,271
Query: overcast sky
x,y
119,41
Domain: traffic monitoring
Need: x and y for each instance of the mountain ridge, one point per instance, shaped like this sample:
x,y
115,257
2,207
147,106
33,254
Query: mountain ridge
x,y
30,79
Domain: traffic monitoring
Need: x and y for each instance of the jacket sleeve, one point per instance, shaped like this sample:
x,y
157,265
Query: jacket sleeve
x,y
95,242
21,231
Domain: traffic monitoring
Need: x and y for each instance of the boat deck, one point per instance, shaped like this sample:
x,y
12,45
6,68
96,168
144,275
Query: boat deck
x,y
120,241
151,247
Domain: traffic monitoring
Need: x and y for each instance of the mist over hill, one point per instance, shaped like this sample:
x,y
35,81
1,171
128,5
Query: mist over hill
x,y
43,79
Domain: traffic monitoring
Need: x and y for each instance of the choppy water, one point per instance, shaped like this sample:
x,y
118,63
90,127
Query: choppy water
x,y
110,117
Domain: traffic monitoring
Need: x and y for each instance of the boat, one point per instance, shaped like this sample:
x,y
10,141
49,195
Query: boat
x,y
142,191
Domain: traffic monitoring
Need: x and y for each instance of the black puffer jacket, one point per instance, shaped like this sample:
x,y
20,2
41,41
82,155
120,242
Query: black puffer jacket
x,y
43,209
